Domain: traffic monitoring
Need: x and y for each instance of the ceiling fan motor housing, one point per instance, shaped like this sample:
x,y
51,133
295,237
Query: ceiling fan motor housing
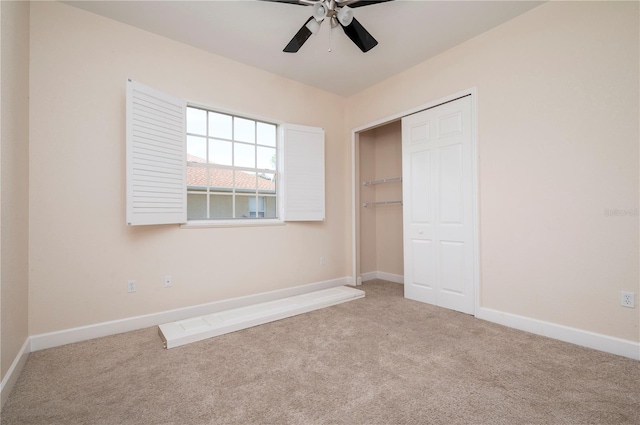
x,y
330,9
339,14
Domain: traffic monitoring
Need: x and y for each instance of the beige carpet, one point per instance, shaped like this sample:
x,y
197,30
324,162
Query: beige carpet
x,y
379,360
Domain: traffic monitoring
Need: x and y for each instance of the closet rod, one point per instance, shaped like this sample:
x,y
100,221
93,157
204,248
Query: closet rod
x,y
366,204
389,180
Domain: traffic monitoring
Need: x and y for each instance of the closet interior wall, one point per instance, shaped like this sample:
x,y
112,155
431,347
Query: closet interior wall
x,y
380,226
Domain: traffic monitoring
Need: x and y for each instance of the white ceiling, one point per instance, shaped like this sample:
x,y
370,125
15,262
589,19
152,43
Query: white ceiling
x,y
255,32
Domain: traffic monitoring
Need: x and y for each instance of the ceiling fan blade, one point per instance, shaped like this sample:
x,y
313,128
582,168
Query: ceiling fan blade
x,y
360,36
360,3
295,2
299,39
286,1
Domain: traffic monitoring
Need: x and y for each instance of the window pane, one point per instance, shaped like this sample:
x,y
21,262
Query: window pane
x,y
270,207
242,206
220,180
196,206
244,130
244,155
196,178
219,125
196,121
220,152
256,207
266,158
245,182
221,206
266,134
196,149
266,183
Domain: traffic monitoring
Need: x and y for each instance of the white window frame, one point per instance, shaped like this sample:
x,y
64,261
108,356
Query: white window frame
x,y
234,194
300,171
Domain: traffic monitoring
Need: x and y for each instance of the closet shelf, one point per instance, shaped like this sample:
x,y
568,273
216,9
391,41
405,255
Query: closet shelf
x,y
389,180
373,204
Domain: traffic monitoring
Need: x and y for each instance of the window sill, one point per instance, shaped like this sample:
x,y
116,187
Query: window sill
x,y
198,224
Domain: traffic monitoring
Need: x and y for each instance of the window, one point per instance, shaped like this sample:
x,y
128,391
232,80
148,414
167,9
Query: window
x,y
211,168
231,166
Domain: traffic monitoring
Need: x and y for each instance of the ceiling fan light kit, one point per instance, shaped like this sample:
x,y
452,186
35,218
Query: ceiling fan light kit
x,y
319,11
313,26
339,14
345,15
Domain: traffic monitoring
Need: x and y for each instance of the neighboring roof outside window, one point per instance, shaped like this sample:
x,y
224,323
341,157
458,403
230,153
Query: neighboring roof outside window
x,y
222,178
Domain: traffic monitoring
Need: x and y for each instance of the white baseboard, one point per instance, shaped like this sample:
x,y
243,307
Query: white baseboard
x,y
13,373
396,278
68,336
368,276
608,344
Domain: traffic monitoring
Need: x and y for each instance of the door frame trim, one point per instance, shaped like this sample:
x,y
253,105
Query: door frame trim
x,y
473,92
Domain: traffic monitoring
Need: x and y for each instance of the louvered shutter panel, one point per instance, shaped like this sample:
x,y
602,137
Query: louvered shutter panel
x,y
156,159
303,163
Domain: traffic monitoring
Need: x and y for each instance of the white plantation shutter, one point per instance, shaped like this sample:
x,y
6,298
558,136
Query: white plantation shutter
x,y
303,165
156,165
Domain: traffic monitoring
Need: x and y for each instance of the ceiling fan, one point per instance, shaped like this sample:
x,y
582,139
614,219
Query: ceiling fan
x,y
338,12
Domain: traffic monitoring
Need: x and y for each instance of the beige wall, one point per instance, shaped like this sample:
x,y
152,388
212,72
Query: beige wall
x,y
558,145
14,179
81,252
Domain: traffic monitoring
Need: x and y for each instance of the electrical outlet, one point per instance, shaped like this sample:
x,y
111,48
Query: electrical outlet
x,y
131,286
627,299
167,281
322,261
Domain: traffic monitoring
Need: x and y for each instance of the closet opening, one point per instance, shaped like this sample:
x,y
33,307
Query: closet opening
x,y
378,163
415,202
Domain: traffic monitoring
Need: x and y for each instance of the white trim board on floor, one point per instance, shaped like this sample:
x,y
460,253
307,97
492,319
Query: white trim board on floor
x,y
199,328
84,333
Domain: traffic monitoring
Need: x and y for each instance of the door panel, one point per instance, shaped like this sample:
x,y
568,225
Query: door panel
x,y
419,133
451,185
450,125
421,175
423,271
438,206
451,267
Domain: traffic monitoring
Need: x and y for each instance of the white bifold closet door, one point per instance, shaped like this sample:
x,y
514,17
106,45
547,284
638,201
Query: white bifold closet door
x,y
438,206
